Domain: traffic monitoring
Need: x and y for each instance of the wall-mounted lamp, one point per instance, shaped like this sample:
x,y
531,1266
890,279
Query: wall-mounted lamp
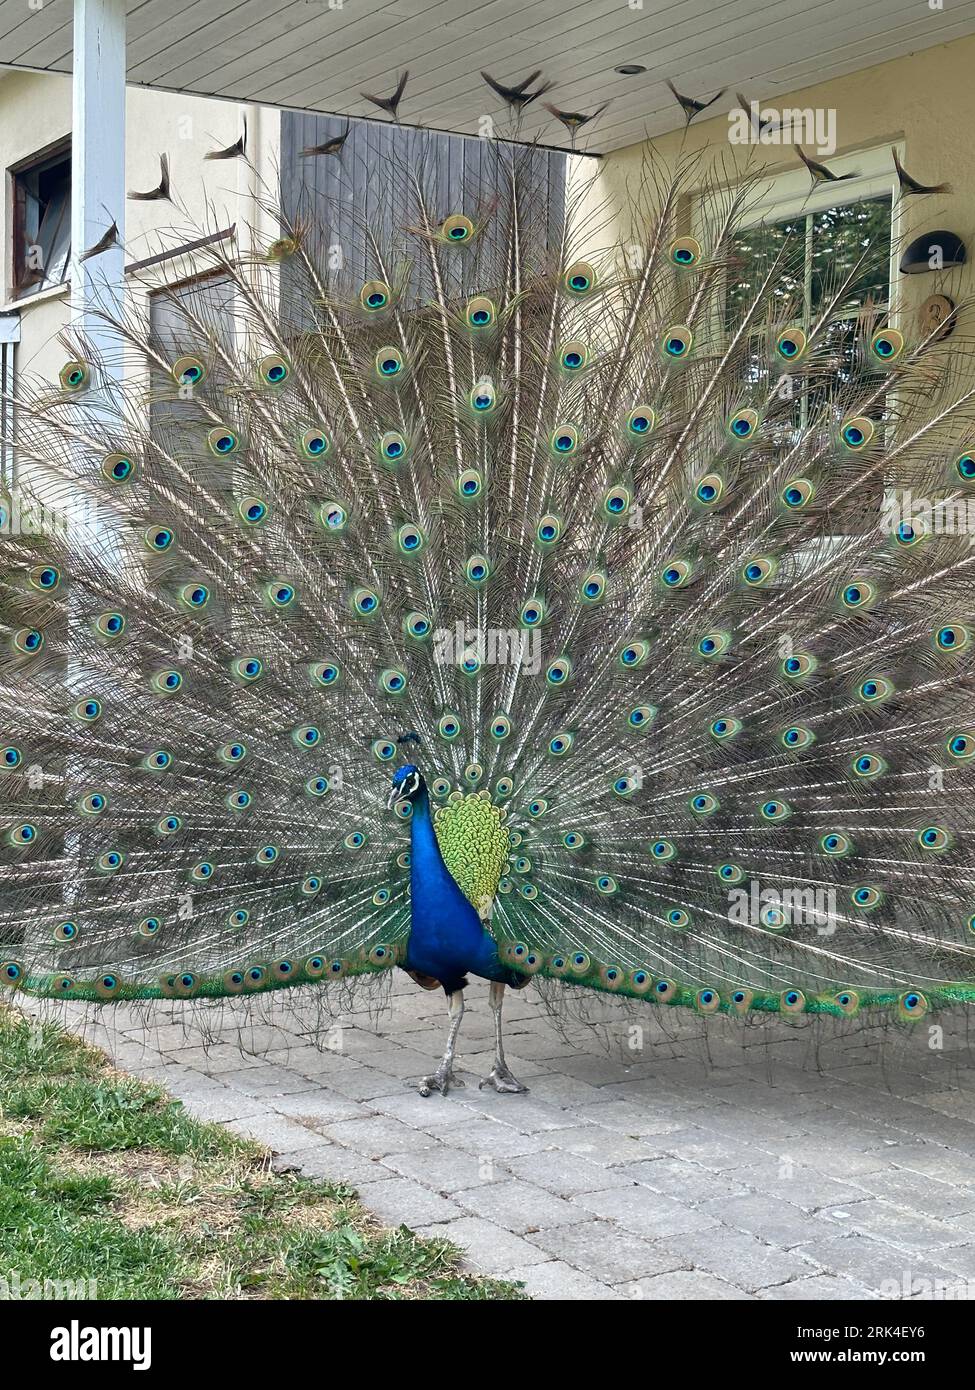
x,y
933,251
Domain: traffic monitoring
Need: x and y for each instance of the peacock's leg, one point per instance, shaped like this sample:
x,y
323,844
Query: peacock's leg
x,y
443,1078
499,1077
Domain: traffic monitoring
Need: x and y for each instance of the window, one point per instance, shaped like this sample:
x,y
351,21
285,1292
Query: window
x,y
817,239
822,235
819,251
42,222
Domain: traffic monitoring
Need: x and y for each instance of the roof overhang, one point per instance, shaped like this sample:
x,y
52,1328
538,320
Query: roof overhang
x,y
319,55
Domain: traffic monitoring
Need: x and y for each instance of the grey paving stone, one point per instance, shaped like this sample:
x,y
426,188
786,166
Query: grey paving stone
x,y
626,1117
565,1091
178,1036
958,1257
135,1055
716,1154
318,1108
357,1082
333,1164
403,1063
607,1251
315,1063
594,1068
378,1135
935,1162
685,1181
646,1212
605,1146
836,1161
434,1112
518,1206
875,1264
275,1132
521,1112
295,1050
267,1082
960,1103
220,1104
652,1098
908,1231
776,1223
800,1186
741,1259
916,1192
493,1138
223,1057
401,1202
556,1281
539,1043
692,1285
447,1170
487,1246
478,1062
566,1174
817,1288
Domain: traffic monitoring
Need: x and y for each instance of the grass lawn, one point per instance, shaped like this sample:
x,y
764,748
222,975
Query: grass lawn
x,y
105,1178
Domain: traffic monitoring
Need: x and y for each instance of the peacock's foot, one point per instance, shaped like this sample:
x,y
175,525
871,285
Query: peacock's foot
x,y
441,1080
502,1080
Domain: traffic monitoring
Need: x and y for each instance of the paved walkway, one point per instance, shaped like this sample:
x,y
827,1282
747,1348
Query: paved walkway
x,y
711,1162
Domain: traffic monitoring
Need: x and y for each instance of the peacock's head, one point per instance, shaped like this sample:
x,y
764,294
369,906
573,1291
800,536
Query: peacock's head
x,y
407,784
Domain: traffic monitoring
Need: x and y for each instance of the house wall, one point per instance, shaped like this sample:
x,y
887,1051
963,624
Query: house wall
x,y
35,112
924,103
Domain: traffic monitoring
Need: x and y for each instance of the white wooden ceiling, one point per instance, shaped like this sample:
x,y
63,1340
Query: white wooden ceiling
x,y
305,53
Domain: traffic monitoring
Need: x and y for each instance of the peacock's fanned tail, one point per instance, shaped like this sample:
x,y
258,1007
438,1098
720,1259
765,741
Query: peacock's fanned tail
x,y
612,547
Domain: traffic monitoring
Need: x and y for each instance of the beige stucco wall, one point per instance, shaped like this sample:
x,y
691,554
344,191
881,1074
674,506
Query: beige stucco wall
x,y
35,111
925,103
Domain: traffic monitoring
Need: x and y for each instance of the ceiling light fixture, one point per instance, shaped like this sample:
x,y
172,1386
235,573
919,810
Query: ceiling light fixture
x,y
630,69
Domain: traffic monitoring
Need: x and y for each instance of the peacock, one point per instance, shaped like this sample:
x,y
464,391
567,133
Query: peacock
x,y
535,608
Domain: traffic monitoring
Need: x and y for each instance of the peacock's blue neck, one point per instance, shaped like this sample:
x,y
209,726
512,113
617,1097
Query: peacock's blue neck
x,y
447,938
427,868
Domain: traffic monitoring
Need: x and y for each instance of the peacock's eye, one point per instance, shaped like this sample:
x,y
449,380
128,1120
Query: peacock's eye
x,y
686,252
189,371
676,343
457,229
481,312
579,279
223,441
314,443
273,370
790,344
375,295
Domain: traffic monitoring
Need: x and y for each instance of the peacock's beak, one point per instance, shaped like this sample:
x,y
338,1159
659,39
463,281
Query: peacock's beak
x,y
394,796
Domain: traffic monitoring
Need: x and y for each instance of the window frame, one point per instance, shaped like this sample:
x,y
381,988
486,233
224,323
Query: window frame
x,y
57,152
